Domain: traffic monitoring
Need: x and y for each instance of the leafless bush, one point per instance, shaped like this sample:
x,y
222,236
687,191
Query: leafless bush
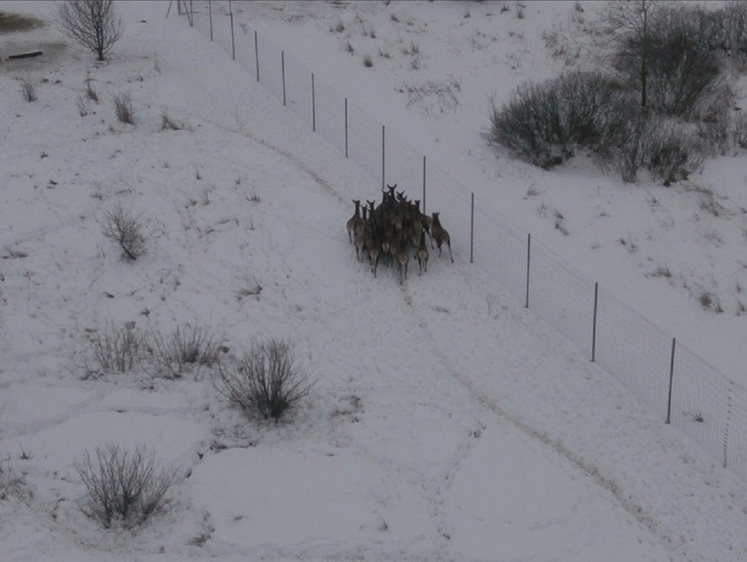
x,y
738,131
263,380
123,487
643,140
11,484
28,90
114,349
123,108
168,124
183,349
91,23
122,227
544,123
672,153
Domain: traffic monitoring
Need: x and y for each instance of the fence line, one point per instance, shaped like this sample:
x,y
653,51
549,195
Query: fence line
x,y
679,386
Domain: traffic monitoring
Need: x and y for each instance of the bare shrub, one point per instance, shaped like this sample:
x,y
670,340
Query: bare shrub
x,y
94,24
738,131
28,90
123,108
11,484
544,123
185,348
667,51
263,380
672,153
123,487
735,27
114,349
168,124
122,227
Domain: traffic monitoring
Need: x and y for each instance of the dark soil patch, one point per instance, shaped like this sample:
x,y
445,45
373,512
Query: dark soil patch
x,y
16,22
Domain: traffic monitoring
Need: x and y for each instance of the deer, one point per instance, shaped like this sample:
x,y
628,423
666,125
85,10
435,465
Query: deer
x,y
403,257
373,246
422,254
353,221
440,235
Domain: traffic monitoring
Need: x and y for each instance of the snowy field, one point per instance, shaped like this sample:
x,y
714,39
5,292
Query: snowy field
x,y
446,422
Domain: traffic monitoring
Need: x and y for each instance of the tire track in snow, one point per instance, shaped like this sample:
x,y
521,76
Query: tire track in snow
x,y
587,468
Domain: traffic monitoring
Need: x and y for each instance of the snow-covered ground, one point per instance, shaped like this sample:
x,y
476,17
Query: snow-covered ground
x,y
446,422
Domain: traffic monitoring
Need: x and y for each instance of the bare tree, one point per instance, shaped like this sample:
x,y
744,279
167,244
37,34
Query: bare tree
x,y
92,23
633,18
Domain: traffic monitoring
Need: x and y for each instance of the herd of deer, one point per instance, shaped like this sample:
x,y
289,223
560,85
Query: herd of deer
x,y
389,231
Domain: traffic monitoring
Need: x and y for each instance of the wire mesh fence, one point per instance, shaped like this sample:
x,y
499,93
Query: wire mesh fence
x,y
679,386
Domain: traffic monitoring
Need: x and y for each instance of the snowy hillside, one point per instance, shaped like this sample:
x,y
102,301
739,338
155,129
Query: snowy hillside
x,y
446,422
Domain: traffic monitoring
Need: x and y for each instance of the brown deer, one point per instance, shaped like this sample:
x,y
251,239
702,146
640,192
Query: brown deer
x,y
440,235
373,247
354,221
403,257
422,254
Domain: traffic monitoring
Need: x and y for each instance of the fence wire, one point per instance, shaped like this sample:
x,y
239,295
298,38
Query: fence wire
x,y
700,401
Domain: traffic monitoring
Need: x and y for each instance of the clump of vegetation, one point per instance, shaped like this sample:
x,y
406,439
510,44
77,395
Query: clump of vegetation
x,y
28,90
263,380
114,349
126,229
124,488
662,105
185,348
123,108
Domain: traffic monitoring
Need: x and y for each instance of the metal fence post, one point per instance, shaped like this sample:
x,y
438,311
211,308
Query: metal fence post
x,y
313,104
671,381
233,41
256,53
529,256
594,324
346,128
383,157
472,229
424,211
729,409
282,73
210,16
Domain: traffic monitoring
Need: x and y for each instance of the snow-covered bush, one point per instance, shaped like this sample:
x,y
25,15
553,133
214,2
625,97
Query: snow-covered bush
x,y
263,380
123,487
